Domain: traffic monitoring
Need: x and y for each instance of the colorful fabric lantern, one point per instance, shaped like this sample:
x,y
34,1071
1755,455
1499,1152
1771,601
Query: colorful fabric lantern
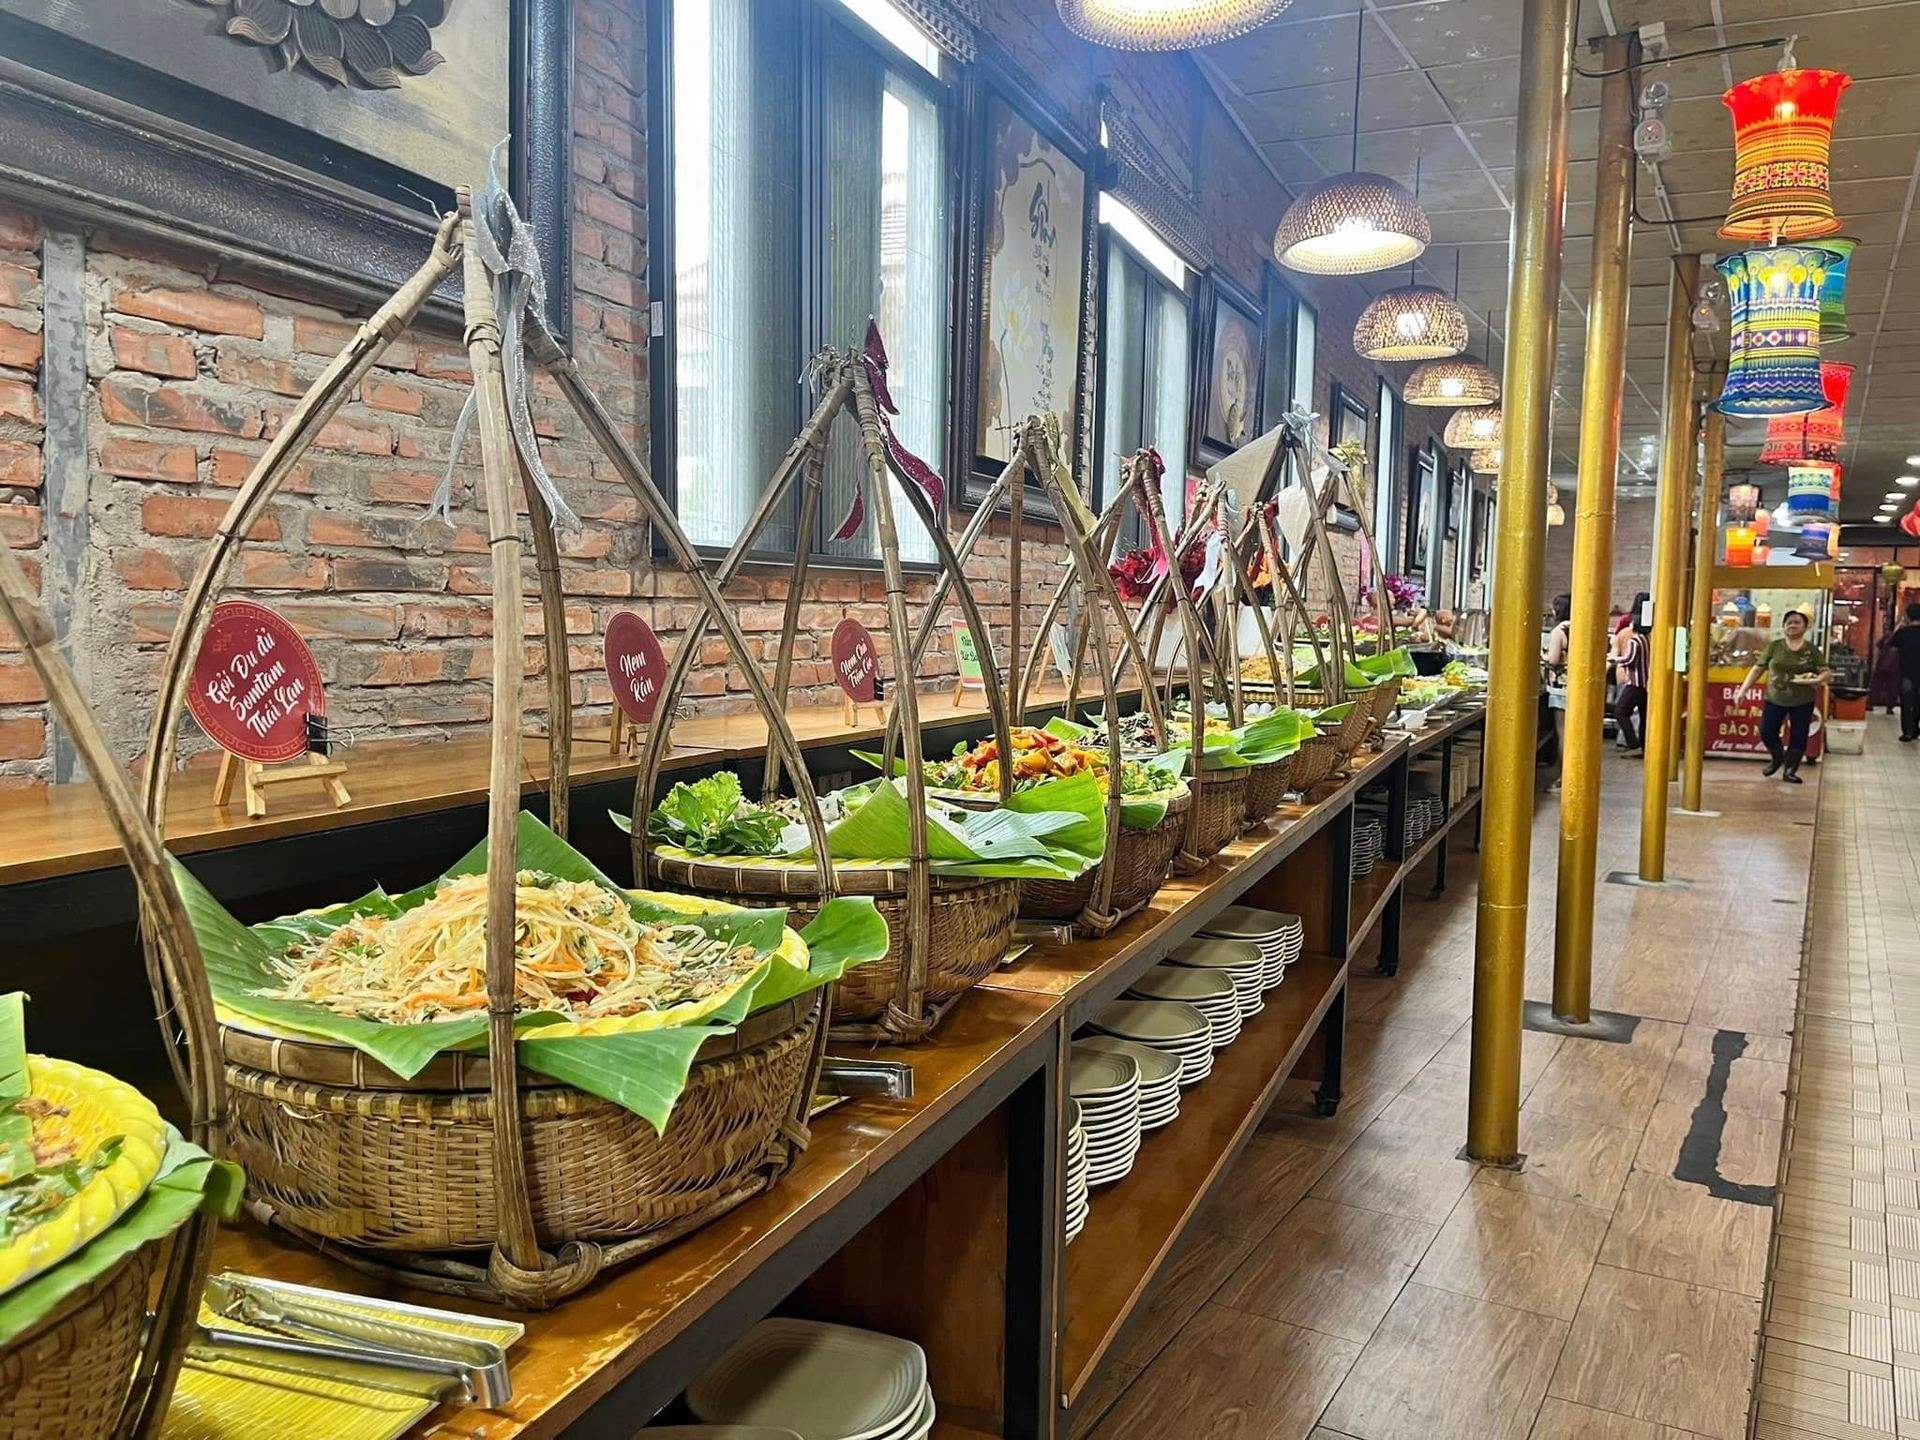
x,y
1782,135
1818,434
1833,295
1814,542
1810,490
1761,550
1740,545
1910,522
1763,523
1743,503
1833,543
1773,363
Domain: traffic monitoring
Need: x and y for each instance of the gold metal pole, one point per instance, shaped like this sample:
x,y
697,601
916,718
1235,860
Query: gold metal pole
x,y
1670,563
1513,691
1699,631
1593,534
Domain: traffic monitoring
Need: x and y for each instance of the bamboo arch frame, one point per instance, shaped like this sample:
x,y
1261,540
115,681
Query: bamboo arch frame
x,y
183,1002
908,1017
517,1272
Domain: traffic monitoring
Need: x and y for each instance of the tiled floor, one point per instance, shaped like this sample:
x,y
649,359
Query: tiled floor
x,y
1355,1279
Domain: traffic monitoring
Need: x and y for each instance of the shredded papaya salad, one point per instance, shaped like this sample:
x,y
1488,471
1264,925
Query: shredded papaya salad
x,y
578,951
1037,755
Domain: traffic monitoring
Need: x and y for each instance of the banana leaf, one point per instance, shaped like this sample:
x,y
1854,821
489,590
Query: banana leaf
x,y
16,1128
639,1062
1271,737
1330,716
189,1179
1306,671
1395,664
1007,843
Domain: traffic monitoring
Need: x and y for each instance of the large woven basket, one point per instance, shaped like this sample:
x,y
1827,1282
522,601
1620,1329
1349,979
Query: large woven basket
x,y
1267,787
342,1149
68,1376
1223,811
1141,861
972,922
1354,727
1314,761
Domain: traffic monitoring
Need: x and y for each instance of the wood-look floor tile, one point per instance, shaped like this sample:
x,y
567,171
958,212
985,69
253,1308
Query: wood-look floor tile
x,y
1613,1084
1400,1170
1563,1420
1329,1267
1447,1367
1232,1376
1755,1085
1107,1389
1537,1049
1387,1055
1747,1152
1579,1160
1189,1282
1513,1248
1664,1227
1663,1351
1271,1174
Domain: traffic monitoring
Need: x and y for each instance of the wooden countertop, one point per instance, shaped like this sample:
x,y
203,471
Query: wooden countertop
x,y
62,829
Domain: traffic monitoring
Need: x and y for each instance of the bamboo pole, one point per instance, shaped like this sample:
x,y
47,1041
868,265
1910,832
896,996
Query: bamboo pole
x,y
553,621
1593,534
1670,560
1700,629
1513,696
790,615
517,1243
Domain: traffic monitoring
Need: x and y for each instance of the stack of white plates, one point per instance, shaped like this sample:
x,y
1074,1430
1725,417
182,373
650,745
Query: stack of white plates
x,y
717,1432
1278,936
1108,1089
1208,991
821,1382
1169,1025
1433,808
1367,845
1076,1172
1239,960
1159,1080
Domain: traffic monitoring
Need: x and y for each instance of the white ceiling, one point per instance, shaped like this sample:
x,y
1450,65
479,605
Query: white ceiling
x,y
1440,81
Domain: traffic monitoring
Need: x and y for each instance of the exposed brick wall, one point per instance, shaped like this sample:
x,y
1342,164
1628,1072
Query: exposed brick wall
x,y
1633,527
192,371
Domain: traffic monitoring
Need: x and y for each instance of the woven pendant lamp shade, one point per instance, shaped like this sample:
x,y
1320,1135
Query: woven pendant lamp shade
x,y
1773,364
1485,462
1414,322
1818,434
1165,24
1453,383
1833,294
1352,224
1477,429
1782,136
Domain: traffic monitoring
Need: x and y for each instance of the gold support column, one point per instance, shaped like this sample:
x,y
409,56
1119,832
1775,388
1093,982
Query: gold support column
x,y
1513,690
1700,628
1593,534
1670,566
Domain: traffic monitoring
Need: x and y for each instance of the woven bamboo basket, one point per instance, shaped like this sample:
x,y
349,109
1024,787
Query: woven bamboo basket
x,y
69,1375
1140,862
1354,726
1267,787
1314,761
344,1150
972,923
1223,811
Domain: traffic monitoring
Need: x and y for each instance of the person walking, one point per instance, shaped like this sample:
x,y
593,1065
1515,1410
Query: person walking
x,y
1905,644
1629,658
1793,666
1634,613
1553,664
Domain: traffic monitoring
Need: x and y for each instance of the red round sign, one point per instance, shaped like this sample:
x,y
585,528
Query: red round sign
x,y
856,663
254,684
636,666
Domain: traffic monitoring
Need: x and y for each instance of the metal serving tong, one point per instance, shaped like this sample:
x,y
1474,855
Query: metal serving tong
x,y
312,1324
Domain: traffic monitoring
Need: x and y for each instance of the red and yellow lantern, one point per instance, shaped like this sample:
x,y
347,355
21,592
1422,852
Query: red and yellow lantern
x,y
1782,138
1818,434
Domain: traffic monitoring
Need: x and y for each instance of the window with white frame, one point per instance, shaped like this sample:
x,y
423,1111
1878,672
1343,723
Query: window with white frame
x,y
1386,478
1145,358
1305,336
833,170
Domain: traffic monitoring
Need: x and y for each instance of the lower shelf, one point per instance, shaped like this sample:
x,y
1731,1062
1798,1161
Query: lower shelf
x,y
1135,1223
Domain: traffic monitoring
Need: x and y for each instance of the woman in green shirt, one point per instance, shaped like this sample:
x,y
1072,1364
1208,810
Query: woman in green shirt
x,y
1793,667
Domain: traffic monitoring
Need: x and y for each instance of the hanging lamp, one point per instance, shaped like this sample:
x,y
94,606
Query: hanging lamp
x,y
1813,488
1414,321
1356,223
1477,429
1556,512
1782,138
1743,503
1166,25
1816,541
1456,382
1818,434
1773,360
1740,545
1833,294
1485,462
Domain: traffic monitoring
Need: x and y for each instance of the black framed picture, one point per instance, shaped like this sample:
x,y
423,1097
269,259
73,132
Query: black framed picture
x,y
1348,417
1422,495
1229,380
1482,524
310,143
1280,310
1026,330
1457,501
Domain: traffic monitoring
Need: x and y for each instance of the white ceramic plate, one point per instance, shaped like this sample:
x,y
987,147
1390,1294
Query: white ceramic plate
x,y
1180,982
826,1382
917,1426
1210,952
717,1432
1153,1021
1097,1074
1156,1067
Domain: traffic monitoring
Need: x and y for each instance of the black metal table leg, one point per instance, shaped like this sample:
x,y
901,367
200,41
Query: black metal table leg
x,y
1446,810
1333,1032
1390,931
1034,1218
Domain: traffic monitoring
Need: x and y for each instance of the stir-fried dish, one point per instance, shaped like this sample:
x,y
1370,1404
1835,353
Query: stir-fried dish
x,y
579,951
1037,755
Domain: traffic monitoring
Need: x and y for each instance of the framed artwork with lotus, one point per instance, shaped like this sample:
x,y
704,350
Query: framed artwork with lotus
x,y
1229,381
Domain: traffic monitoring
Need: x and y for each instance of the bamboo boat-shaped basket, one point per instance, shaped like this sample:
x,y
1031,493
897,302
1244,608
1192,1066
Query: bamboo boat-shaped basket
x,y
475,1178
936,952
104,1361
